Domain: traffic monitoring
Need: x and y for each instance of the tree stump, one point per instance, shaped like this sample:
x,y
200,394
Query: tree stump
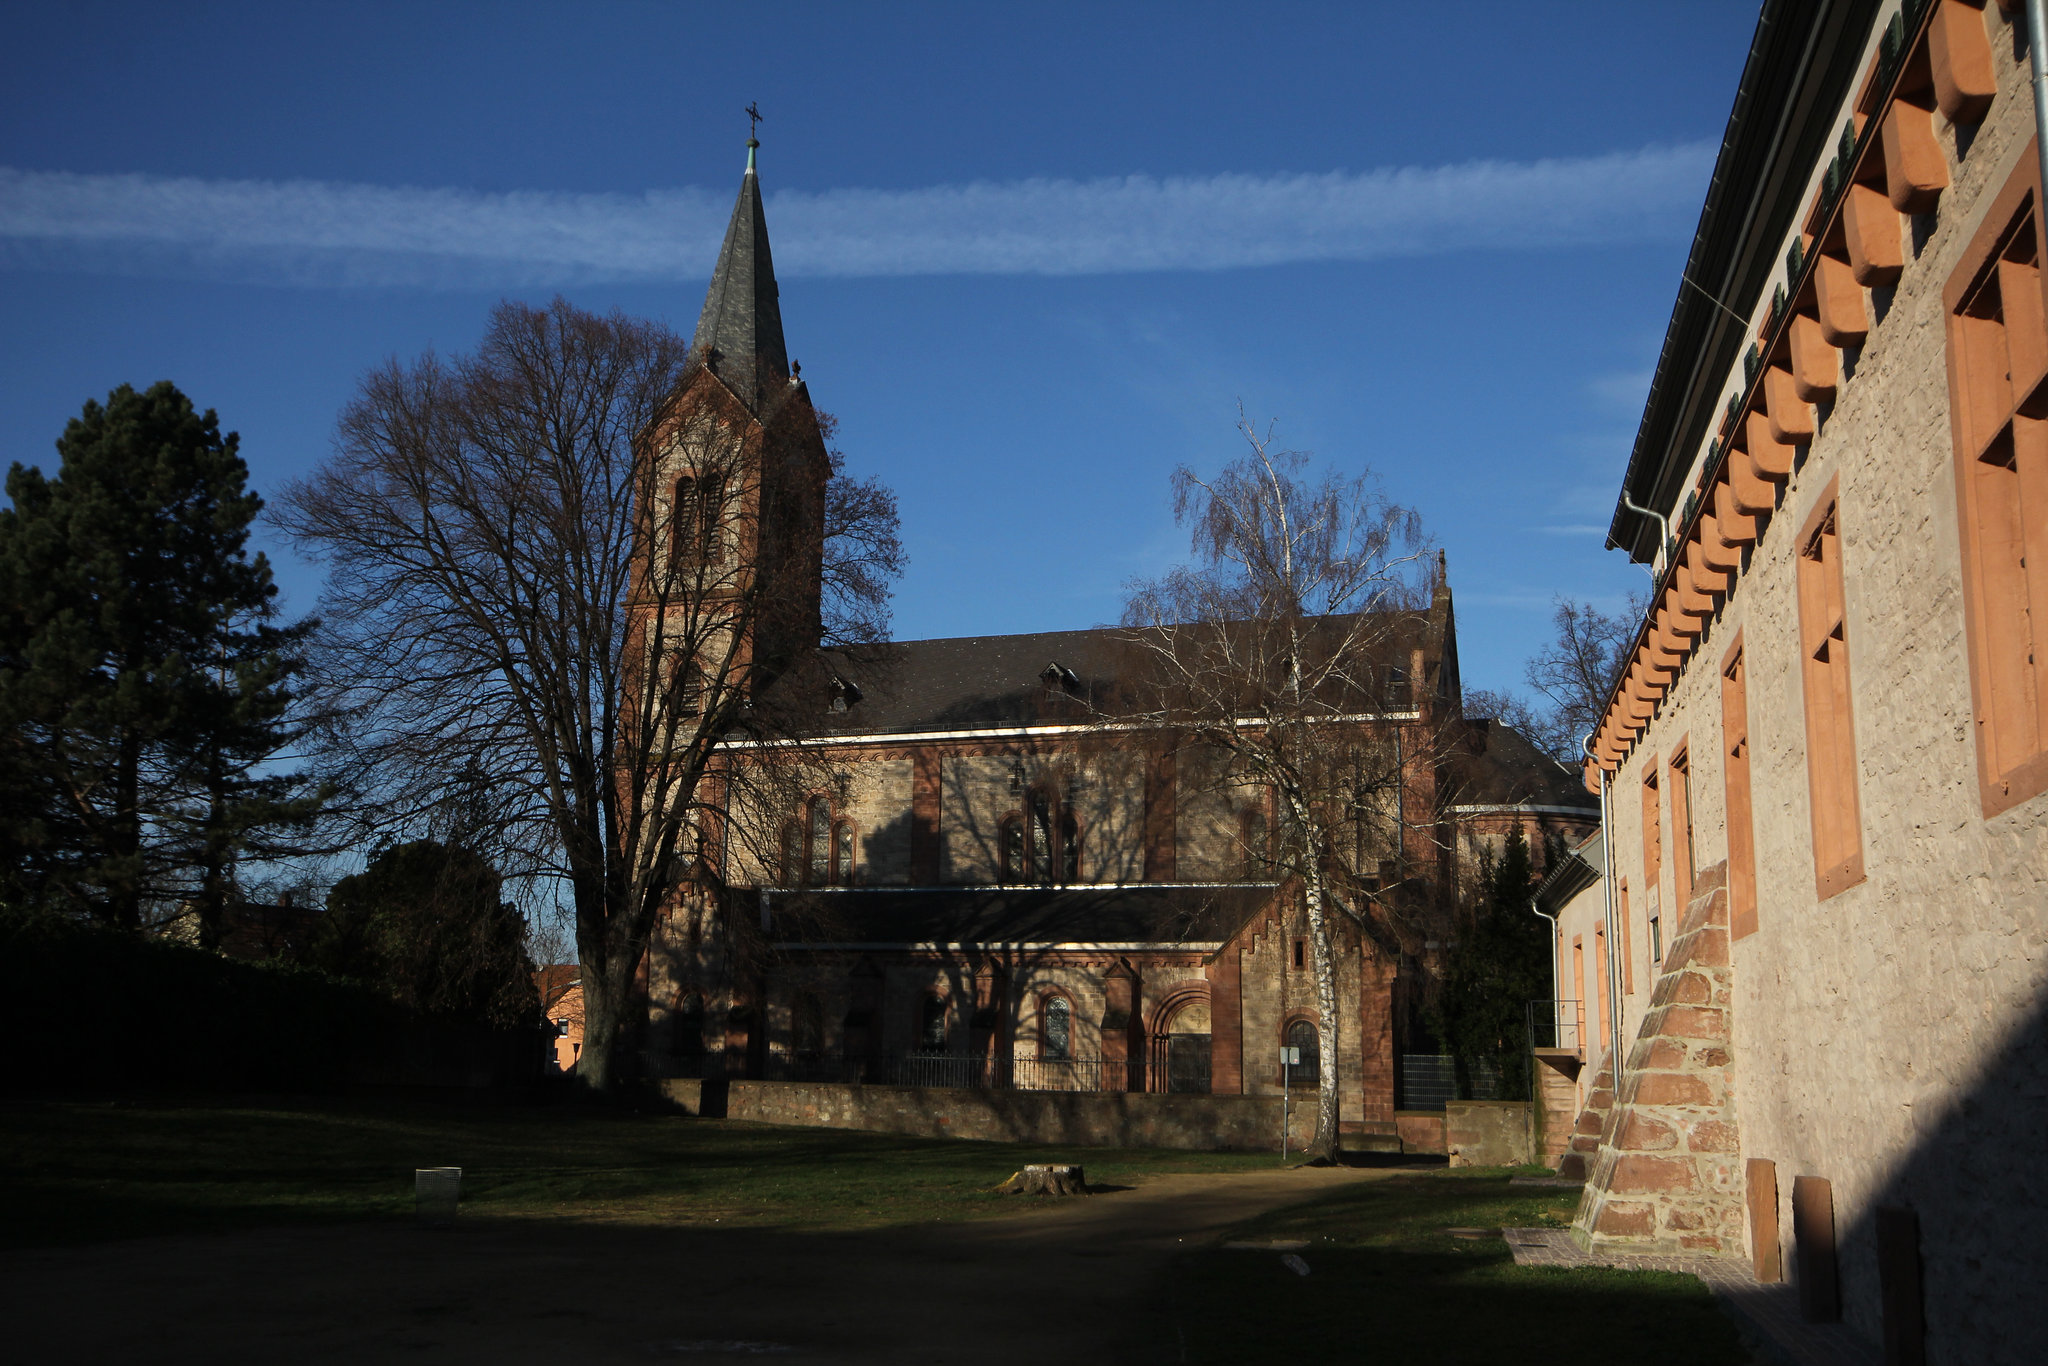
x,y
1046,1180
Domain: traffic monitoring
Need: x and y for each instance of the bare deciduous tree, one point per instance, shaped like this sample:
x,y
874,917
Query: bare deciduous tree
x,y
1279,660
1573,673
547,572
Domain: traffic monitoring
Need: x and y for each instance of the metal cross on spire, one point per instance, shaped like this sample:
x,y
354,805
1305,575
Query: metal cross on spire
x,y
753,119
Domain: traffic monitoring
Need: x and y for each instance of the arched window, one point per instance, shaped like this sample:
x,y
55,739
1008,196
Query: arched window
x,y
792,853
1041,838
1056,1039
842,854
1309,1072
806,1025
818,857
1011,848
931,1025
1253,835
689,521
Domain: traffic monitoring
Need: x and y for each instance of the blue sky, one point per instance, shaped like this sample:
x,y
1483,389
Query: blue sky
x,y
1032,256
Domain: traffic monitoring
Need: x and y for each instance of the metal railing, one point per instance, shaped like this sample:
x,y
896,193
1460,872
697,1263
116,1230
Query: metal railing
x,y
1557,1024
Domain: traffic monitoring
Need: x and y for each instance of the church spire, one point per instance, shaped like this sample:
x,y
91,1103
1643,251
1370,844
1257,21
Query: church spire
x,y
739,334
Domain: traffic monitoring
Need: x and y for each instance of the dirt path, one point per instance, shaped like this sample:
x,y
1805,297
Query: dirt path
x,y
1057,1283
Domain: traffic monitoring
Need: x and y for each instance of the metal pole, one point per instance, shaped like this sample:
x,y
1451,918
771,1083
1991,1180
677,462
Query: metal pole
x,y
1283,1106
2037,60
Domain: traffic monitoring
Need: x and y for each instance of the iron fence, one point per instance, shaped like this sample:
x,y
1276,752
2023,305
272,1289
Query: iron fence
x,y
1430,1080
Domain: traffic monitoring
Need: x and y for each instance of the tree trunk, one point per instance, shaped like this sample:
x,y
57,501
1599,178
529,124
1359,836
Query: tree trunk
x,y
1324,1147
1046,1180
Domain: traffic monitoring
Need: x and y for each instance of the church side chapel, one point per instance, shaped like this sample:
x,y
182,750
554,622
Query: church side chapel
x,y
975,880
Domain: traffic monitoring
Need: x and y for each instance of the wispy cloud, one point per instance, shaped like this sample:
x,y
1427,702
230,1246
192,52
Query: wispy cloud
x,y
329,233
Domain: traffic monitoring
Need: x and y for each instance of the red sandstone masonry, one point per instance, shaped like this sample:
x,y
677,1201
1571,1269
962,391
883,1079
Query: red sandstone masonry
x,y
1664,1177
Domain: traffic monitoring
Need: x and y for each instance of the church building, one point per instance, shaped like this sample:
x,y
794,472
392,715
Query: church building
x,y
985,886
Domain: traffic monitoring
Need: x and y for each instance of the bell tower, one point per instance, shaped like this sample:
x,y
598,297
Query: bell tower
x,y
742,460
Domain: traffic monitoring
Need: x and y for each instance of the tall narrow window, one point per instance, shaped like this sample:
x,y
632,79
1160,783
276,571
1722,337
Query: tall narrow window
x,y
688,518
1600,981
1999,340
1653,837
1628,939
1011,842
1735,780
1041,838
807,1025
1830,735
1070,849
842,854
1682,869
1579,995
820,840
931,1025
1058,1037
1309,1071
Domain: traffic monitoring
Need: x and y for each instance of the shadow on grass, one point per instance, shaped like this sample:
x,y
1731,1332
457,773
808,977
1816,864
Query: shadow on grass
x,y
74,1170
1387,1277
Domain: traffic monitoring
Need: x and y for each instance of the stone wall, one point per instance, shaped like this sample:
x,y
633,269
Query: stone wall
x,y
1888,1037
1488,1133
1083,1119
1667,1176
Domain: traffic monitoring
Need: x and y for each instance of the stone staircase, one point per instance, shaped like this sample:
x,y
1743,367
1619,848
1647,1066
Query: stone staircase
x,y
1591,1130
1664,1163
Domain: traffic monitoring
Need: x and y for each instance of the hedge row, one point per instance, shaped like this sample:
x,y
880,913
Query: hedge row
x,y
98,1008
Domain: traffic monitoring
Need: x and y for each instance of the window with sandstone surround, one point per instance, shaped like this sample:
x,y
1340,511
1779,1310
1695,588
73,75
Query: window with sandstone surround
x,y
1998,357
1600,978
1628,939
1682,867
1830,731
1579,994
1653,835
1735,782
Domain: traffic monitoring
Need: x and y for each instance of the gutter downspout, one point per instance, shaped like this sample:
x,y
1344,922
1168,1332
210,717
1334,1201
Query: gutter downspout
x,y
1614,1029
2037,61
1670,536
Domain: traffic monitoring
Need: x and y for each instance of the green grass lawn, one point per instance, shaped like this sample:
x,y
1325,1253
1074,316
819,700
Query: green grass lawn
x,y
82,1171
1388,1282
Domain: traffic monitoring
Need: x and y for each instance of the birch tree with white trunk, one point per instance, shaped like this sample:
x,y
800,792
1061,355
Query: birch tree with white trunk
x,y
1282,653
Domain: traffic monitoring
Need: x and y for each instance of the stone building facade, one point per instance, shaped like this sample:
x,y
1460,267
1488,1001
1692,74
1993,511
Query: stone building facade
x,y
985,885
1824,765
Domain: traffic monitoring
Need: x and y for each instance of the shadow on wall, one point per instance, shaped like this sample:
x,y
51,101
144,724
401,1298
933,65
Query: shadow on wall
x,y
1957,1231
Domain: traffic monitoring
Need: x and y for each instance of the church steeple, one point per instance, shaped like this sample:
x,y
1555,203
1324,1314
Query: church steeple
x,y
739,334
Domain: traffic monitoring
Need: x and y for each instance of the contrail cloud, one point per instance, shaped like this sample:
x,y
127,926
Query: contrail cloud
x,y
320,233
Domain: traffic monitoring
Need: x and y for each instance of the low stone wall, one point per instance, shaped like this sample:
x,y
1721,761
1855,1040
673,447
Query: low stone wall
x,y
1487,1133
1421,1131
1076,1118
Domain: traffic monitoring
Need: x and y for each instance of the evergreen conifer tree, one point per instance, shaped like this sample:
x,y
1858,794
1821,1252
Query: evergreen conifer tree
x,y
142,686
1498,965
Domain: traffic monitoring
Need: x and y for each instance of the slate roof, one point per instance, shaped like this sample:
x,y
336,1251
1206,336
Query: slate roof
x,y
971,682
739,334
1509,769
981,682
1020,915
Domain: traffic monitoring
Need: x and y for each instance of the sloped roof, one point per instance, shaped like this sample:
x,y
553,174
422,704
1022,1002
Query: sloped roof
x,y
739,333
1162,915
984,682
1504,768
